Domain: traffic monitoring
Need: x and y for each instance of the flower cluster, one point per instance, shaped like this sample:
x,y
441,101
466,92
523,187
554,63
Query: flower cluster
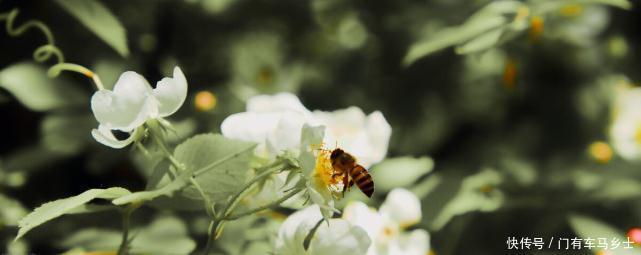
x,y
333,237
386,227
281,123
361,230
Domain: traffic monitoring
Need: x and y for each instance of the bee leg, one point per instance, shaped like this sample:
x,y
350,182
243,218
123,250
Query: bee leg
x,y
345,182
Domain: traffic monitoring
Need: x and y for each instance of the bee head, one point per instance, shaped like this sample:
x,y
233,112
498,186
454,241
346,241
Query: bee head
x,y
336,153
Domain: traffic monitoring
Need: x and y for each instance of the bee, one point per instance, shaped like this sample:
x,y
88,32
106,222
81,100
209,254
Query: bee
x,y
345,164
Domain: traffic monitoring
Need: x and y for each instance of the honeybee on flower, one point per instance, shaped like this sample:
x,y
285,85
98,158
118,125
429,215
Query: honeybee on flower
x,y
280,123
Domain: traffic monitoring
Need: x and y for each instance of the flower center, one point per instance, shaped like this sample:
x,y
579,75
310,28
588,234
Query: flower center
x,y
388,232
324,171
637,134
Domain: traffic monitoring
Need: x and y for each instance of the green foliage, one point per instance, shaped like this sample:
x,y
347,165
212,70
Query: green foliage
x,y
476,192
587,227
400,172
30,85
212,159
67,133
99,20
57,208
495,23
226,178
11,211
164,235
487,19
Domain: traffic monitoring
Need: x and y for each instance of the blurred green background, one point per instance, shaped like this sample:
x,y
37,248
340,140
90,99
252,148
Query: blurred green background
x,y
507,125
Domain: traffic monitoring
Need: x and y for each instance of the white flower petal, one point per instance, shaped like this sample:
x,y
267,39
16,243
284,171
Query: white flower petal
x,y
103,135
623,135
171,93
249,126
287,134
320,195
359,214
276,131
296,227
378,134
276,103
339,237
402,207
415,243
128,106
365,137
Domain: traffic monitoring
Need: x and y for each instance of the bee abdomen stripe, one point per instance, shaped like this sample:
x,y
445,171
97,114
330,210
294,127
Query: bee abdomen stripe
x,y
367,181
357,170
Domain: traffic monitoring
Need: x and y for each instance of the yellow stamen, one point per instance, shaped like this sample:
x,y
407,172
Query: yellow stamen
x,y
637,134
487,188
509,74
265,76
536,28
325,173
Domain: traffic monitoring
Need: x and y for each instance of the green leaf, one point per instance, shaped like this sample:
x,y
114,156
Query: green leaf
x,y
165,235
57,208
30,85
548,6
400,172
219,160
476,193
221,182
166,190
587,227
97,18
11,211
93,239
66,133
451,36
482,42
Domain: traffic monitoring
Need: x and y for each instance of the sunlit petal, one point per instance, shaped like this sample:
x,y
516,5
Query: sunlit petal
x,y
402,207
103,135
339,237
128,106
171,93
293,231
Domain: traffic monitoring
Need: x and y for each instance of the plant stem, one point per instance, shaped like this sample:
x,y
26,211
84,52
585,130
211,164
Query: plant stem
x,y
270,169
180,167
48,50
260,208
226,212
122,250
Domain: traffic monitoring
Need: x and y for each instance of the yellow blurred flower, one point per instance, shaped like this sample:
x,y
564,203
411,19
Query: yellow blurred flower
x,y
205,101
600,151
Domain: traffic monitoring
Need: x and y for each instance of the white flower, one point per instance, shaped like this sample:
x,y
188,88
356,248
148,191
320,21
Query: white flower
x,y
366,137
132,102
386,227
625,132
332,237
275,122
